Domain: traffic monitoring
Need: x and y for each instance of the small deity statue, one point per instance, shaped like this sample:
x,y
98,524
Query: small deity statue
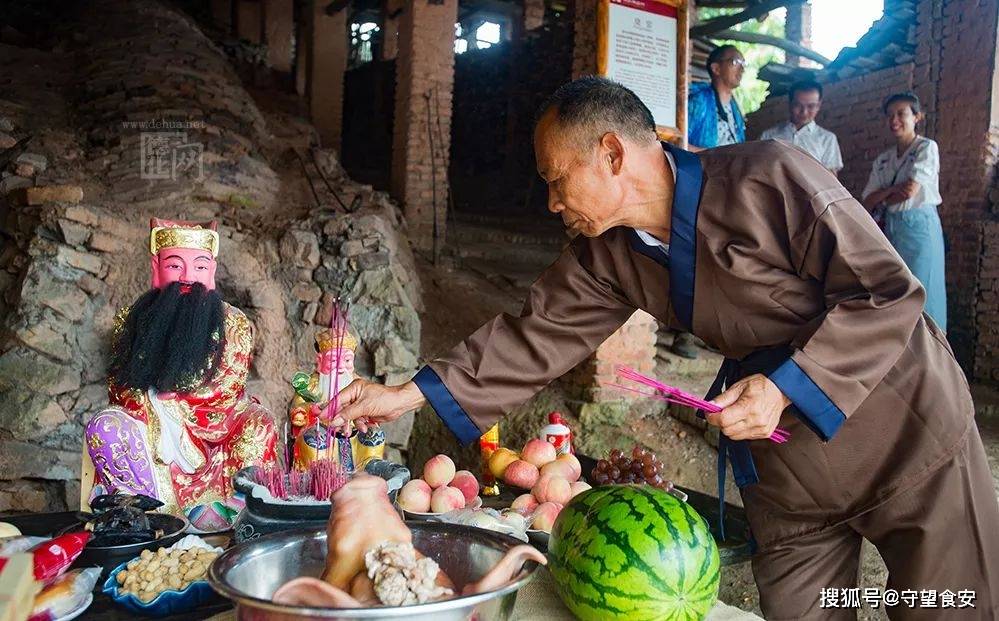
x,y
314,394
179,423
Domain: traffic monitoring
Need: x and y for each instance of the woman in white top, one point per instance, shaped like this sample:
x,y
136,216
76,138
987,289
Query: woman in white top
x,y
904,186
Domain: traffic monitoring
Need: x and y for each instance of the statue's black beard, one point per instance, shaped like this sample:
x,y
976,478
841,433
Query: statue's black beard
x,y
171,341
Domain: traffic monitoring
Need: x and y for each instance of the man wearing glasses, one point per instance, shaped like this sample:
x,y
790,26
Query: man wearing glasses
x,y
801,130
713,120
713,116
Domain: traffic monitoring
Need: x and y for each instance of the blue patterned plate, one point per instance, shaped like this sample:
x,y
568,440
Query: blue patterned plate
x,y
169,602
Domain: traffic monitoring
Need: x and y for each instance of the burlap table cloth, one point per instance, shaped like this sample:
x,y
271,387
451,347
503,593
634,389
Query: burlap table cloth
x,y
539,602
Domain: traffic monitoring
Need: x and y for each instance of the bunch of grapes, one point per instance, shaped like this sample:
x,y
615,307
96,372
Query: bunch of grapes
x,y
642,467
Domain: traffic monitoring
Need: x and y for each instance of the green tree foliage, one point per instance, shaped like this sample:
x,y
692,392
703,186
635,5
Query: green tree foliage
x,y
753,90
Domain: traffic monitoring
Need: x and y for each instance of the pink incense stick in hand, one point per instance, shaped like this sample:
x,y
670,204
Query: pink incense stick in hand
x,y
670,394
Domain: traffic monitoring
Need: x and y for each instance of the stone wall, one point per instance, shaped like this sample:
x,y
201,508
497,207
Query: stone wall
x,y
70,259
149,74
961,116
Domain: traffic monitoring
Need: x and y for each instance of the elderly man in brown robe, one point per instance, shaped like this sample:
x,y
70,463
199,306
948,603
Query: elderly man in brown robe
x,y
758,250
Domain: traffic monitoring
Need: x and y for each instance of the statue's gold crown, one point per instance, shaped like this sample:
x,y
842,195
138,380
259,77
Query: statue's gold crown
x,y
196,236
327,340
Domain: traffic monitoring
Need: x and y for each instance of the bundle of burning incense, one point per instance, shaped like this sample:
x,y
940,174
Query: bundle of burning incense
x,y
670,394
326,477
273,478
299,483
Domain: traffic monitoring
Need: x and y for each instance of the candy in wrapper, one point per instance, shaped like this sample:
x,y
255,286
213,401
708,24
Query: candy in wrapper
x,y
10,546
488,443
65,594
17,587
54,556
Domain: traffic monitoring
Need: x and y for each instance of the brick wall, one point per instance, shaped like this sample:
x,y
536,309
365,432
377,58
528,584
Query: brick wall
x,y
584,51
422,129
851,109
958,99
633,345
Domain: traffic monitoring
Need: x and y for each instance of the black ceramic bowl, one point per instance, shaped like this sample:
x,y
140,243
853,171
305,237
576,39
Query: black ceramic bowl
x,y
109,557
262,517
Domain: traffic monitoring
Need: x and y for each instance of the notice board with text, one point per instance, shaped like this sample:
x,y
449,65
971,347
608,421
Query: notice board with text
x,y
642,44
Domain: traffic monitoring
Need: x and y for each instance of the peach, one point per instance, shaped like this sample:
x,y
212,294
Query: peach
x,y
559,468
521,474
538,452
545,515
415,496
446,499
551,488
579,487
438,471
500,459
467,483
524,503
575,468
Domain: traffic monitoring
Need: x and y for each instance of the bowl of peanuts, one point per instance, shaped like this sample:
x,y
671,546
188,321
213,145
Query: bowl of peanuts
x,y
166,581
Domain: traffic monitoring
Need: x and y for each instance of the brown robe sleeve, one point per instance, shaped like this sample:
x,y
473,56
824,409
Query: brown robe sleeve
x,y
873,305
570,310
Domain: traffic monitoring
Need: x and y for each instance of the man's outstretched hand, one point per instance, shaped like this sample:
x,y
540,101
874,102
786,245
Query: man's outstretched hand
x,y
370,403
751,409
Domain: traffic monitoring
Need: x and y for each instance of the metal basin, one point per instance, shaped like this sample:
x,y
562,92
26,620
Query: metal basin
x,y
251,572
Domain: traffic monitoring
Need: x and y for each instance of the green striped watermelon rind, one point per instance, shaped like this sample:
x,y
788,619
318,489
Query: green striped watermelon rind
x,y
603,572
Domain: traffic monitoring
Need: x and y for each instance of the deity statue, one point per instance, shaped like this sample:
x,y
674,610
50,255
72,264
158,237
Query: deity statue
x,y
179,423
311,405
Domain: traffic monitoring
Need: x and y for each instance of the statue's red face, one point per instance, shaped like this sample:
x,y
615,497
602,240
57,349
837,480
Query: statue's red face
x,y
184,265
326,361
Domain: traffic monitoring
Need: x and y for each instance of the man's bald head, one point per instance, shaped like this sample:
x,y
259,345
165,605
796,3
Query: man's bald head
x,y
585,109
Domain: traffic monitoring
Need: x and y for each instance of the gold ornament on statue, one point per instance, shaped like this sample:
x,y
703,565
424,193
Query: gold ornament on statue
x,y
326,341
180,237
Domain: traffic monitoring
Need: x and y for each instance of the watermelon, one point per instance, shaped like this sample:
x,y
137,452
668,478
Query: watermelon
x,y
633,552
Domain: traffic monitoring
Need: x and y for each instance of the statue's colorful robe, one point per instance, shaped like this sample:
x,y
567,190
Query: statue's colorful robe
x,y
215,431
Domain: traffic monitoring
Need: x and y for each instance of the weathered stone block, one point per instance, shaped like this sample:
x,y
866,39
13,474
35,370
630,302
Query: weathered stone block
x,y
604,413
14,182
392,356
301,248
17,496
22,370
40,195
42,337
398,432
306,292
352,248
80,260
29,416
24,170
36,160
372,260
26,460
73,233
105,242
6,141
82,214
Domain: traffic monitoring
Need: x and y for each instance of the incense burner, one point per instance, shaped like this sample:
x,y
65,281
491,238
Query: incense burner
x,y
265,514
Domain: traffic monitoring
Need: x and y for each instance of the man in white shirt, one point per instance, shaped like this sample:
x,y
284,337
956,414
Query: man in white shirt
x,y
805,99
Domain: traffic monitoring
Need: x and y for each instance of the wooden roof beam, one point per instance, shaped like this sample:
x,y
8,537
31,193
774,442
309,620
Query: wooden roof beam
x,y
784,44
727,21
